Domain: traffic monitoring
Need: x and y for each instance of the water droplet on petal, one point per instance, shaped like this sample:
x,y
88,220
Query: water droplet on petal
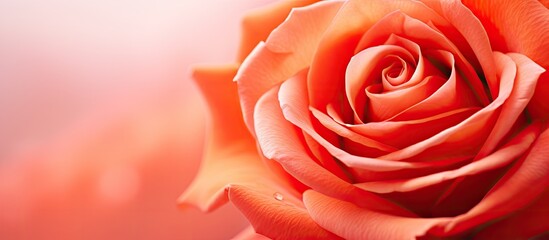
x,y
278,196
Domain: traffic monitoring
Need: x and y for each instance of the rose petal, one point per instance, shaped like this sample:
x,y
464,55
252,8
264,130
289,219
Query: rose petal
x,y
274,216
511,151
524,224
429,38
417,31
259,23
326,160
528,178
454,93
474,33
528,73
279,141
472,126
336,215
340,40
521,23
425,81
364,69
276,60
378,135
335,127
230,156
404,133
293,102
525,81
519,26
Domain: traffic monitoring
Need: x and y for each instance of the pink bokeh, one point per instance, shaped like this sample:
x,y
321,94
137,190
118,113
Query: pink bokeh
x,y
101,128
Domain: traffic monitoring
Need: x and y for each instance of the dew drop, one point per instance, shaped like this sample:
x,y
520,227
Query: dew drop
x,y
278,196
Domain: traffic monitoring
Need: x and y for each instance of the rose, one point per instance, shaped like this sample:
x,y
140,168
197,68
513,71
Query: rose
x,y
383,120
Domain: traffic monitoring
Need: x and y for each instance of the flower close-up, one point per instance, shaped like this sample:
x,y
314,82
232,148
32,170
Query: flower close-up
x,y
382,119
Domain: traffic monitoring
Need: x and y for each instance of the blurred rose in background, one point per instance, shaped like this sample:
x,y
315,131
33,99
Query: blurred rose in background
x,y
101,128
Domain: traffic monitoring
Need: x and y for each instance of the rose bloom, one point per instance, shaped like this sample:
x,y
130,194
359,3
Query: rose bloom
x,y
371,119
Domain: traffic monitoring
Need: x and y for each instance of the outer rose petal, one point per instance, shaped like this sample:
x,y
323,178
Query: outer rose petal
x,y
276,218
258,24
351,222
525,224
527,74
521,23
532,170
230,156
519,26
278,59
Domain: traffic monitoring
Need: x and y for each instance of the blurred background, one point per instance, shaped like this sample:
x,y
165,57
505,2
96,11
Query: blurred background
x,y
101,128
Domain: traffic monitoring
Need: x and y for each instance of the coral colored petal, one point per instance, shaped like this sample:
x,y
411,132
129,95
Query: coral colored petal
x,y
473,125
474,33
278,59
259,23
522,91
429,38
521,23
454,93
345,132
325,159
301,31
419,71
524,224
386,105
230,156
274,216
528,73
520,26
404,133
364,69
383,106
528,178
510,152
351,222
294,105
221,94
279,141
341,39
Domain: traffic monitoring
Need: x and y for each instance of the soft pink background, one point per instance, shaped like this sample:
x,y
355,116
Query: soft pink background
x,y
100,127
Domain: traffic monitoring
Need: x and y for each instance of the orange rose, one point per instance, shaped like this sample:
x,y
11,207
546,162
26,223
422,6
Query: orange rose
x,y
383,120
